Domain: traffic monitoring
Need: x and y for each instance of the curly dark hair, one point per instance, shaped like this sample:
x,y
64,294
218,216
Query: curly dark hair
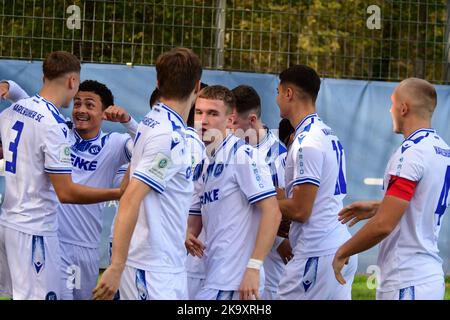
x,y
98,88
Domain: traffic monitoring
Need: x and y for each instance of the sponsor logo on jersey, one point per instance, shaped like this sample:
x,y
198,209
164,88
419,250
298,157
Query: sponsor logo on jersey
x,y
83,164
209,196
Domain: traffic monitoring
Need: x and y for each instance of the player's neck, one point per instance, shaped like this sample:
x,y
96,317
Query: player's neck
x,y
261,132
52,94
412,126
180,107
297,118
87,135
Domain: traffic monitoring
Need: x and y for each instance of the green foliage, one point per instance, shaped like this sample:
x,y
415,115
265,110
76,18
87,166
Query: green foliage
x,y
261,36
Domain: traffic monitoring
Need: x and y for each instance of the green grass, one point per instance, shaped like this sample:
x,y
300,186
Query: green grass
x,y
361,292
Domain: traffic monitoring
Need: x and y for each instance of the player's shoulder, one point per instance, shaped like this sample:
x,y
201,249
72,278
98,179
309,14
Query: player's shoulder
x,y
421,143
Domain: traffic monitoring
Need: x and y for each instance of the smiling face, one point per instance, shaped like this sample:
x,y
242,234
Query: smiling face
x,y
212,117
87,113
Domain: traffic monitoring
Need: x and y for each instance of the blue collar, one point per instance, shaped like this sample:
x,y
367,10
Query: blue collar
x,y
266,138
174,113
79,138
418,131
222,145
56,110
305,122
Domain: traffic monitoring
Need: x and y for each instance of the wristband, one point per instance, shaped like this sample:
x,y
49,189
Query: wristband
x,y
254,264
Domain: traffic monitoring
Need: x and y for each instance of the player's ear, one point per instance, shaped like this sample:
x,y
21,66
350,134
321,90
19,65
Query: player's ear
x,y
289,93
197,87
405,108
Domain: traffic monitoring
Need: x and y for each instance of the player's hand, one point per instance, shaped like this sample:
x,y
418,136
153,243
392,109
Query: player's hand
x,y
283,229
194,246
358,211
4,90
116,114
108,284
285,251
249,289
338,264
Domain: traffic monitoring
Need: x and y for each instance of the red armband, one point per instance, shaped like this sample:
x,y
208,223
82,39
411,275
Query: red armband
x,y
401,188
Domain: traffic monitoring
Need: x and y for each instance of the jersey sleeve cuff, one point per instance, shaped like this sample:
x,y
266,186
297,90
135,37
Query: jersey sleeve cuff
x,y
58,170
260,196
195,212
149,181
313,181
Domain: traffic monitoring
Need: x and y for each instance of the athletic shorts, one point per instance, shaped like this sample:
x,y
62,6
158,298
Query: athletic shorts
x,y
434,290
313,278
137,284
29,266
79,270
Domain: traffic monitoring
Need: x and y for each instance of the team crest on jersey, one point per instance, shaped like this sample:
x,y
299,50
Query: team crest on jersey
x,y
94,149
141,284
218,170
310,274
51,296
38,253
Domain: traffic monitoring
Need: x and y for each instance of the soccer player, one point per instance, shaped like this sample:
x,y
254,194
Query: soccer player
x,y
237,207
148,253
94,155
38,174
408,219
315,188
195,266
247,124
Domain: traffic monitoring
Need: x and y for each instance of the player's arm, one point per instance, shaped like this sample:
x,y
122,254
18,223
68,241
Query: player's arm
x,y
307,175
11,91
299,207
374,231
125,223
118,114
268,227
70,192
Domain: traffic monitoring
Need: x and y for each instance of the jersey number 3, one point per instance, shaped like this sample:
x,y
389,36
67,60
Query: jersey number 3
x,y
442,205
11,166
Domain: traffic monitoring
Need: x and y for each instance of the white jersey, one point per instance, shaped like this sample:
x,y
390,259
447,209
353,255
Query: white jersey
x,y
275,156
196,266
161,159
95,162
35,142
317,157
409,255
234,179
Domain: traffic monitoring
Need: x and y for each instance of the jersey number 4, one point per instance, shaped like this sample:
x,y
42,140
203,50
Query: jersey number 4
x,y
341,185
442,205
11,166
